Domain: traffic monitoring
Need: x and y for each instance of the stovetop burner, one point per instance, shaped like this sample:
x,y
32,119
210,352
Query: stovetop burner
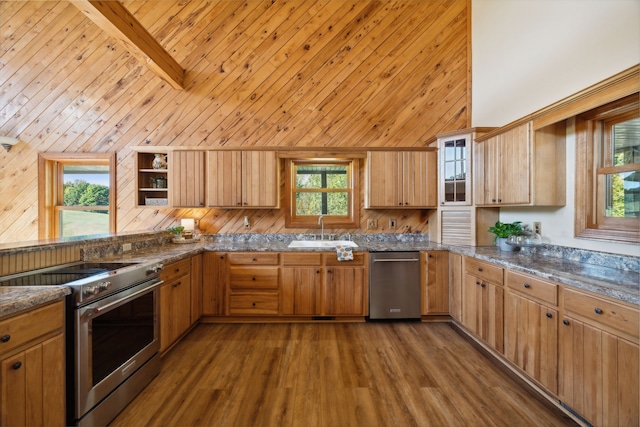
x,y
62,275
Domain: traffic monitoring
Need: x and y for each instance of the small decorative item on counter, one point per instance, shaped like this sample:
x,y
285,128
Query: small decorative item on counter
x,y
502,231
159,161
176,232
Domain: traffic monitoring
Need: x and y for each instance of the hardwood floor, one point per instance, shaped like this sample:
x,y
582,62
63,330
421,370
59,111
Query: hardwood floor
x,y
338,374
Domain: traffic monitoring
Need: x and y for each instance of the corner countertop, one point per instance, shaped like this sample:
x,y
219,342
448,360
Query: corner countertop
x,y
616,283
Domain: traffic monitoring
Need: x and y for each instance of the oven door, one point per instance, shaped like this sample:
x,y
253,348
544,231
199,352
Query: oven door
x,y
113,338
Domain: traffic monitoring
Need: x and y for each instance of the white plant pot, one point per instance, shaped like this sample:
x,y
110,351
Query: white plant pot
x,y
501,242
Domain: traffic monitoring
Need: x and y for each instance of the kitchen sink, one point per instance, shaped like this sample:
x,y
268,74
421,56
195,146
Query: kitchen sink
x,y
321,243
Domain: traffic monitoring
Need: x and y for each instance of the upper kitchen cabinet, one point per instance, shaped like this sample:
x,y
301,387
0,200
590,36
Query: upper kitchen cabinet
x,y
401,179
152,179
454,169
187,171
242,179
519,167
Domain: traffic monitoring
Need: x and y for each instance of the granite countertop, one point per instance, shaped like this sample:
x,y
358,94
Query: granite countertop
x,y
611,279
15,299
616,283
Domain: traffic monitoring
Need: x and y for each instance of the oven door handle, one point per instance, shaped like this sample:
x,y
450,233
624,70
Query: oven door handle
x,y
106,307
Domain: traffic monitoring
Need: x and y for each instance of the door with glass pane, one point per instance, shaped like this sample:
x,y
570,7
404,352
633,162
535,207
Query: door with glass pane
x,y
455,169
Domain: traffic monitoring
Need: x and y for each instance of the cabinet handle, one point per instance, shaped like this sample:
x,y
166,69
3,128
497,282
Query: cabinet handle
x,y
317,271
493,200
549,315
480,269
483,285
330,271
253,259
177,284
17,365
477,282
526,285
253,304
399,203
177,270
430,256
253,278
598,310
566,322
5,338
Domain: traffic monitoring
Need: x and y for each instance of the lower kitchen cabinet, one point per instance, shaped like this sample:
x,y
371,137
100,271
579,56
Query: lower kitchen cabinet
x,y
301,291
345,290
483,302
175,302
253,283
531,327
599,369
32,368
455,286
435,282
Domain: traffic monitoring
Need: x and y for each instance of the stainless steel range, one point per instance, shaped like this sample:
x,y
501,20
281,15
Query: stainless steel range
x,y
112,333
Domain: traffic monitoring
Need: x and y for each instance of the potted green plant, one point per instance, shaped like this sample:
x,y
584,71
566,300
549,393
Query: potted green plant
x,y
502,230
176,231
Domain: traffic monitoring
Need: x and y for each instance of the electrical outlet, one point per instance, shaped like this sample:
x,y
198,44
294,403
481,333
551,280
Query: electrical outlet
x,y
537,228
393,224
126,247
372,224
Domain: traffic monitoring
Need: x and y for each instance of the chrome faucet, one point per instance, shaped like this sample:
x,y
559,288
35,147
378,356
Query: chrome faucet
x,y
321,221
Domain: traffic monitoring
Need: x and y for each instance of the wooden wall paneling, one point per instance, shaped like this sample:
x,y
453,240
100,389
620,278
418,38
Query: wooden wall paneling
x,y
319,78
250,82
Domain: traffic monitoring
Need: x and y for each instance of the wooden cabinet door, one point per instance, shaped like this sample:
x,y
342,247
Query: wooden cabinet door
x,y
598,374
260,179
455,286
187,184
344,291
301,290
483,310
471,303
224,179
196,272
435,282
214,285
531,339
175,310
492,315
419,183
384,187
514,166
32,385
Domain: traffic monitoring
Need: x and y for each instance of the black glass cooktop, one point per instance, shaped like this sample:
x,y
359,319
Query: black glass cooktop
x,y
63,275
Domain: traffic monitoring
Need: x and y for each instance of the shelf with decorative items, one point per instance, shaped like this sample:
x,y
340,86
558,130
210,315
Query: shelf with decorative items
x,y
152,179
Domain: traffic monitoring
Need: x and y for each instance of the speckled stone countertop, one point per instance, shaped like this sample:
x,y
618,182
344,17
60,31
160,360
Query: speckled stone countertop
x,y
15,299
609,275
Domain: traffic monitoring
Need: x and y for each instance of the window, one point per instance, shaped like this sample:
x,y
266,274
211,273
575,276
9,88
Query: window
x,y
608,172
76,194
322,186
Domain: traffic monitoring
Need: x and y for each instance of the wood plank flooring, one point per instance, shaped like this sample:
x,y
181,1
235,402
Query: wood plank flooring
x,y
338,374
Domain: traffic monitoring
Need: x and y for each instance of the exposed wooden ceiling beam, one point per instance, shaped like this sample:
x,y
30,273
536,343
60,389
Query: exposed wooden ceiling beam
x,y
118,22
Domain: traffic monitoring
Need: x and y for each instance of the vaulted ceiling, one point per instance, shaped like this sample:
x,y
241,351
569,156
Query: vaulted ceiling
x,y
327,73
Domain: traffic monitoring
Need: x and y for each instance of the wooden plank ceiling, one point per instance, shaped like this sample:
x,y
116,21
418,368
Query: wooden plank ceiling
x,y
327,73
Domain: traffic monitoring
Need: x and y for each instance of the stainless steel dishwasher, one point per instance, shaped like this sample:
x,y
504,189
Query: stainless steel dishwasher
x,y
394,285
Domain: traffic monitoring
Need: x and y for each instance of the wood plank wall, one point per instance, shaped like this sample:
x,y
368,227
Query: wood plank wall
x,y
326,73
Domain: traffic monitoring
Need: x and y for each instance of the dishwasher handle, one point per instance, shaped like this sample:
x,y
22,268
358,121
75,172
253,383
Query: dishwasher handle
x,y
396,260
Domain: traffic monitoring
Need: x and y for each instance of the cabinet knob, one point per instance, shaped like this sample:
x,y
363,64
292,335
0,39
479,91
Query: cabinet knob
x,y
317,271
17,365
566,322
483,285
480,269
177,284
430,256
549,315
5,338
238,203
499,200
477,282
399,203
526,285
253,304
253,259
493,200
598,310
253,278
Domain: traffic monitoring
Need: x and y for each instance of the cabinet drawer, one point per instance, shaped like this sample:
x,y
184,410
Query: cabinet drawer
x,y
601,311
21,329
332,259
533,287
253,258
483,270
175,269
305,259
253,278
254,303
